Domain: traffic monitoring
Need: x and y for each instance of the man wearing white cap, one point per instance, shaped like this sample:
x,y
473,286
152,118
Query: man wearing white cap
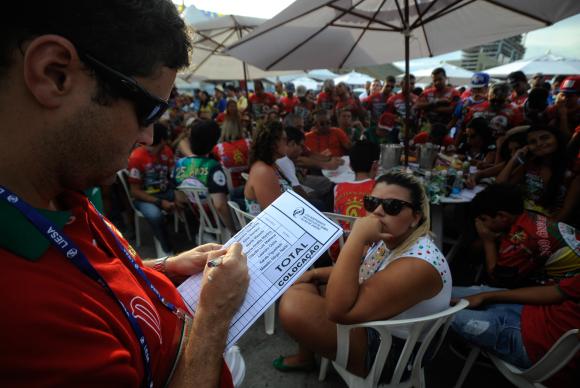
x,y
476,94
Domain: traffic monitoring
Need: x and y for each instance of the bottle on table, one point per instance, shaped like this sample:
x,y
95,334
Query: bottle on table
x,y
457,184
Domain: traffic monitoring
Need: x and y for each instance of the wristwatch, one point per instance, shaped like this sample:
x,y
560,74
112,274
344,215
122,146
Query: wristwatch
x,y
160,264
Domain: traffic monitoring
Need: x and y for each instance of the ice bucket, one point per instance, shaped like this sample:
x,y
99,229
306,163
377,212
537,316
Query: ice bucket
x,y
427,155
390,156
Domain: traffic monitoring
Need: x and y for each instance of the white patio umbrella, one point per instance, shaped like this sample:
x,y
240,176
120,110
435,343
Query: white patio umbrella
x,y
209,59
322,74
455,75
354,78
547,64
350,33
307,82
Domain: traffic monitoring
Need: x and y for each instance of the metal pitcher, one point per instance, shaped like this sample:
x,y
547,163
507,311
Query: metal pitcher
x,y
427,155
390,156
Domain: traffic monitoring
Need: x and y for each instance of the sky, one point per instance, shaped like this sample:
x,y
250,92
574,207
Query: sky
x,y
563,38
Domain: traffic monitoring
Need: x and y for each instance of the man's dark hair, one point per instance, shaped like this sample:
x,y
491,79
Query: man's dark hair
x,y
481,129
132,37
160,132
498,197
417,91
294,134
362,155
264,143
204,136
391,78
439,70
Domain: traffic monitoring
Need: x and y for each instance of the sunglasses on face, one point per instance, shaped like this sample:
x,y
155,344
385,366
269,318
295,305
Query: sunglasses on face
x,y
148,108
391,206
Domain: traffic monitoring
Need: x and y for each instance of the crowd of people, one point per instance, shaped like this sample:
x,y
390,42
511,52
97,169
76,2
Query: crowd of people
x,y
81,105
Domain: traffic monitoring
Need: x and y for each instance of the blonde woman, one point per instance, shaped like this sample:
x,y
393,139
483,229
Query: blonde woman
x,y
403,275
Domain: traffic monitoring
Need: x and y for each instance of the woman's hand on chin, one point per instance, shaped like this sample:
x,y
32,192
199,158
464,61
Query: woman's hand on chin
x,y
368,230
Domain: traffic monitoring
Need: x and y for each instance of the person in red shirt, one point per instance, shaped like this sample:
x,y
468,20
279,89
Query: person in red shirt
x,y
327,98
531,249
150,170
519,84
565,113
376,103
80,307
260,101
345,100
437,103
499,112
348,196
290,101
396,102
438,134
520,326
327,140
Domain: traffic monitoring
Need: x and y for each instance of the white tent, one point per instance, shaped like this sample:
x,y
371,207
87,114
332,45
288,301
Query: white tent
x,y
456,75
322,74
353,78
307,82
547,64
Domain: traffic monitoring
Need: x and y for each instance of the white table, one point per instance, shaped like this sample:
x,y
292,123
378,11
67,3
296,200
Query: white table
x,y
342,174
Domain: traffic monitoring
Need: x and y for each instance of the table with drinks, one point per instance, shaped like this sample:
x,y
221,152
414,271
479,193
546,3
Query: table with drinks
x,y
443,182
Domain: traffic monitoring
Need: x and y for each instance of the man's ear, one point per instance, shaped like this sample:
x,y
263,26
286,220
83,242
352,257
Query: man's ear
x,y
50,65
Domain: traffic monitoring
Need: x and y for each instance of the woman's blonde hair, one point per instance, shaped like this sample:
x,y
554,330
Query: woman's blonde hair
x,y
420,204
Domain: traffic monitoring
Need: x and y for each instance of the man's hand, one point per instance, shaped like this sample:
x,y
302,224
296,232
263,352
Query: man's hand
x,y
367,230
224,287
333,163
475,301
193,261
483,231
168,206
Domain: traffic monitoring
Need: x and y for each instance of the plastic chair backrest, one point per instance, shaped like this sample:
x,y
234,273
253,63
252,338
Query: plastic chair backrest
x,y
341,219
201,198
123,174
233,170
242,217
555,359
421,328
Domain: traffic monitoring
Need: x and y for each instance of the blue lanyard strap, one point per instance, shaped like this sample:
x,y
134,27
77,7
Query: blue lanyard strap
x,y
71,251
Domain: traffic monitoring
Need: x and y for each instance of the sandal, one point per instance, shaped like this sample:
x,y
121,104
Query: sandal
x,y
279,364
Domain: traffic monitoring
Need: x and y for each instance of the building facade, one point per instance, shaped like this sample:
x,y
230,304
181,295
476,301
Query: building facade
x,y
493,54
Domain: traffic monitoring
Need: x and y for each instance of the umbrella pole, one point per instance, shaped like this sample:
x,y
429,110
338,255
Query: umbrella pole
x,y
246,80
406,84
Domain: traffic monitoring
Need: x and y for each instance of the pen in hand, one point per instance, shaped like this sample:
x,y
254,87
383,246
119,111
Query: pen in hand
x,y
215,262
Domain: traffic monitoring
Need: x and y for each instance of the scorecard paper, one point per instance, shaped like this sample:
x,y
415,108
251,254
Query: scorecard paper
x,y
281,243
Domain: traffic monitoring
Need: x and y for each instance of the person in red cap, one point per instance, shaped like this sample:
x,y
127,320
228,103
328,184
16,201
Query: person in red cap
x,y
565,113
385,131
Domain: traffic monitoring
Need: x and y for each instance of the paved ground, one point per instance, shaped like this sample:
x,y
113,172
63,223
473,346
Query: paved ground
x,y
259,349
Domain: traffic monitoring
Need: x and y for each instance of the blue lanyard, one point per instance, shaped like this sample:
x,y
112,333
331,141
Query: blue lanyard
x,y
71,251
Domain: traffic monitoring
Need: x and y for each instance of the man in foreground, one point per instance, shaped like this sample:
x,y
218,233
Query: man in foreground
x,y
82,82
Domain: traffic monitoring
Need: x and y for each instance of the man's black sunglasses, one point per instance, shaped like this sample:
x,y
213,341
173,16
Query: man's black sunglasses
x,y
147,107
391,206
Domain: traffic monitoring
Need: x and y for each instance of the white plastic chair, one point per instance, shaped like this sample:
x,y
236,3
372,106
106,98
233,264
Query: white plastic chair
x,y
210,224
243,218
178,216
233,170
338,218
421,329
555,359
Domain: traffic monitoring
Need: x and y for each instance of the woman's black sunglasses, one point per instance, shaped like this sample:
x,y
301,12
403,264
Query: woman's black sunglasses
x,y
148,108
391,206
